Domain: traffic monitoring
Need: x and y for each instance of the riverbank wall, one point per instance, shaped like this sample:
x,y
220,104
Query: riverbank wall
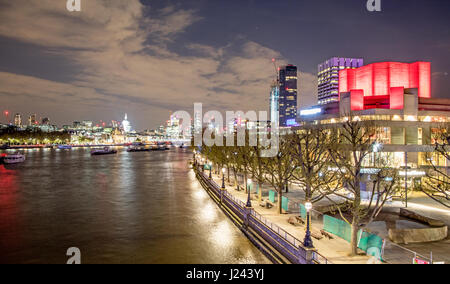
x,y
278,245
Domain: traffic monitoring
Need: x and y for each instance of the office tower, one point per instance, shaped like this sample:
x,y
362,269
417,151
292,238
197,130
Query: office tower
x,y
288,96
45,121
198,123
32,120
18,120
328,76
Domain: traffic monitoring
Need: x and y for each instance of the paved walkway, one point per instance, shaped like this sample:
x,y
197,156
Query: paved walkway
x,y
395,254
336,250
421,204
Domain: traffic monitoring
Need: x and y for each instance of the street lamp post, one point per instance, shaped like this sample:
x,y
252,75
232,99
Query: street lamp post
x,y
195,158
406,179
210,170
228,168
223,178
308,241
249,200
203,165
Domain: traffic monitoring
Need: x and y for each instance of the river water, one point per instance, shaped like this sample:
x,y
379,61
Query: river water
x,y
125,208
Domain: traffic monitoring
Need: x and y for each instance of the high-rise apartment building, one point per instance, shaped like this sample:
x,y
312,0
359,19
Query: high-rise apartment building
x,y
328,77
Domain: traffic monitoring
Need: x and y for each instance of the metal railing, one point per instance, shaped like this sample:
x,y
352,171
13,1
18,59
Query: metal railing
x,y
234,199
283,234
397,254
279,231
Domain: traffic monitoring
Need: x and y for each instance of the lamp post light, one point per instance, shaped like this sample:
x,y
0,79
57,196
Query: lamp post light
x,y
223,178
249,201
308,241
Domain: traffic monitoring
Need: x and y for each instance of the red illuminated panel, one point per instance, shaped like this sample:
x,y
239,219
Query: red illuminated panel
x,y
413,75
380,79
347,80
424,79
378,102
357,99
397,98
399,75
364,79
420,77
377,79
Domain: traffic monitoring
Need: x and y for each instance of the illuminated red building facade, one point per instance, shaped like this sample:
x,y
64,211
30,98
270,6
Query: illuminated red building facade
x,y
382,85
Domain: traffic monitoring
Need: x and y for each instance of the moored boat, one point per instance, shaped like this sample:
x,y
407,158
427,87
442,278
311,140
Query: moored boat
x,y
160,148
64,147
15,158
104,151
138,149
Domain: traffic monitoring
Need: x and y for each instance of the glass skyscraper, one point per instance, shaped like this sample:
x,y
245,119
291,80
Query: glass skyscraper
x,y
288,96
274,104
328,73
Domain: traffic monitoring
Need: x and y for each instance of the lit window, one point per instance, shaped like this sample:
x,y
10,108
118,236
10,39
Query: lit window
x,y
411,118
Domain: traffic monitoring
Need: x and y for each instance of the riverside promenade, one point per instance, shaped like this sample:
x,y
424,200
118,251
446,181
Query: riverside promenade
x,y
334,250
337,249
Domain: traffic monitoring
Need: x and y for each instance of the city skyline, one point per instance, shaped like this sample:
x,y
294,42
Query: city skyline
x,y
227,133
98,68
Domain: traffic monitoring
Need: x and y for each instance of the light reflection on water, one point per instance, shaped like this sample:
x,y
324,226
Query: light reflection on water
x,y
124,208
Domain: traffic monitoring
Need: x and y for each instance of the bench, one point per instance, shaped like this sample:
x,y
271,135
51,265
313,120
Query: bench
x,y
292,221
315,234
300,220
326,234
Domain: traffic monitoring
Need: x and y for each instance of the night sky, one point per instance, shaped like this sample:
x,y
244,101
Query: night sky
x,y
148,58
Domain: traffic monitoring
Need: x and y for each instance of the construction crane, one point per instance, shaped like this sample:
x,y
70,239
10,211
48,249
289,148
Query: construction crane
x,y
277,69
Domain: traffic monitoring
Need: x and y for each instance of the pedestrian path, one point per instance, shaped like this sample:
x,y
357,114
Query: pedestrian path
x,y
335,250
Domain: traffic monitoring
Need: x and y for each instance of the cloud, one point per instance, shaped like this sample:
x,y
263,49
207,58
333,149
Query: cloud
x,y
206,50
125,65
171,23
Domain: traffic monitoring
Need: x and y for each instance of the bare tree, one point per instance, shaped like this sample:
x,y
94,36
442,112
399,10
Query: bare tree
x,y
279,168
257,167
436,184
385,184
312,159
352,144
244,158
